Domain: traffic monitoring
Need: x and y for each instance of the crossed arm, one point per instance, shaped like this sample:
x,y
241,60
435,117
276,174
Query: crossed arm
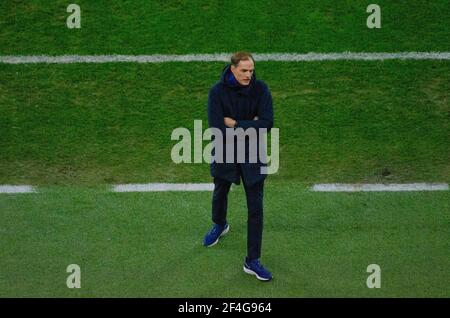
x,y
216,118
230,122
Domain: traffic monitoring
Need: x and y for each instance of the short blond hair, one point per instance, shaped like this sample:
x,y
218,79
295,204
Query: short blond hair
x,y
241,56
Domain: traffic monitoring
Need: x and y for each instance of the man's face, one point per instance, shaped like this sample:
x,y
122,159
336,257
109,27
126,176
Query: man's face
x,y
243,72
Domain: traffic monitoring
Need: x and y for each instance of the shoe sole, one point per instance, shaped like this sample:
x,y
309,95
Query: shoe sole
x,y
221,234
249,271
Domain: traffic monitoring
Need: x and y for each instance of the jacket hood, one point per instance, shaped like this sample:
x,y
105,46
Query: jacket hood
x,y
224,79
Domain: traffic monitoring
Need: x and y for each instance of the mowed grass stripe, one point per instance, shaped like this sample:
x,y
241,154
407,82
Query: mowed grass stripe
x,y
223,57
340,122
180,27
316,245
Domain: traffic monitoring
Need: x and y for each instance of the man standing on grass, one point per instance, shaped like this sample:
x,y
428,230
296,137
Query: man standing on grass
x,y
239,100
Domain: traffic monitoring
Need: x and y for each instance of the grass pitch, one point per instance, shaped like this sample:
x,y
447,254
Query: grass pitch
x,y
75,129
150,244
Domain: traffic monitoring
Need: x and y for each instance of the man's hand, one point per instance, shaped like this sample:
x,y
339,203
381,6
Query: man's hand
x,y
229,122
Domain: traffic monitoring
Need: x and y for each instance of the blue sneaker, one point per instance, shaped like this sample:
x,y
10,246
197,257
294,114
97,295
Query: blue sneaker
x,y
254,267
213,236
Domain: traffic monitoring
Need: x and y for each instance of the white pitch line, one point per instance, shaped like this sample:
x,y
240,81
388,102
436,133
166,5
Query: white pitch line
x,y
158,187
327,187
17,189
343,187
223,57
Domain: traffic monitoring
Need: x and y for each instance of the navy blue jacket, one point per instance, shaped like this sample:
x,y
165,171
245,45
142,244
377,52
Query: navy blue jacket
x,y
242,103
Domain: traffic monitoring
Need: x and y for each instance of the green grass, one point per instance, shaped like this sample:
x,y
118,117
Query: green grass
x,y
73,129
149,244
111,123
180,27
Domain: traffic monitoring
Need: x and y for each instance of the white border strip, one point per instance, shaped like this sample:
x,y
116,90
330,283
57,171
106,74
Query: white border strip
x,y
158,187
17,189
222,57
343,187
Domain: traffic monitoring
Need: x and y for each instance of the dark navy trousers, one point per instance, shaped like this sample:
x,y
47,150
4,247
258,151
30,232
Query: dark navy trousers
x,y
254,196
